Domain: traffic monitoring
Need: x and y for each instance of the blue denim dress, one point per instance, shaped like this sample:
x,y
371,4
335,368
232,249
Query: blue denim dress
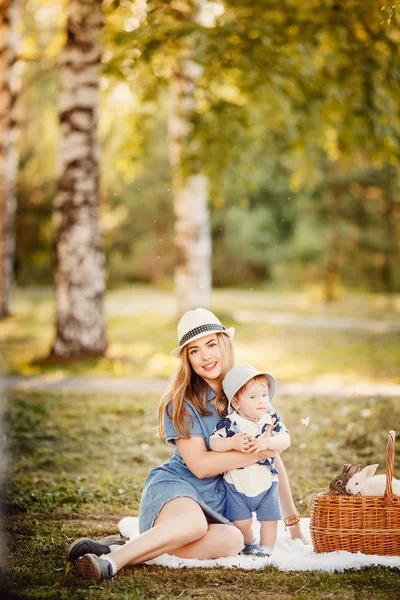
x,y
173,479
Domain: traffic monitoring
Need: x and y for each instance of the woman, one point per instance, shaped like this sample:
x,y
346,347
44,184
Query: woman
x,y
182,505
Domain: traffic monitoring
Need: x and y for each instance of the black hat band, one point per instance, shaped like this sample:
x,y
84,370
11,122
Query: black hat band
x,y
200,329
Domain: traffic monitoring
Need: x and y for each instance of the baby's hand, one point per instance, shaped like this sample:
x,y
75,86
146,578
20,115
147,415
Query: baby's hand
x,y
242,442
259,444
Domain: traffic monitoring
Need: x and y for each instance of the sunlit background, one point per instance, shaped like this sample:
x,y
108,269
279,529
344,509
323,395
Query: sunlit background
x,y
296,127
292,121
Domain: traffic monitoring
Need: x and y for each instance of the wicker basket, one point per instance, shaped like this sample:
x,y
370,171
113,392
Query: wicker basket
x,y
367,524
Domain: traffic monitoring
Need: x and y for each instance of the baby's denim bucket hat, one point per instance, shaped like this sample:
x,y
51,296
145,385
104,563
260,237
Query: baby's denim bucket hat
x,y
238,376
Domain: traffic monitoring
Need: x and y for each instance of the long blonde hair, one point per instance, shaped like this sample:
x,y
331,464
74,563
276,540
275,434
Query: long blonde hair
x,y
186,385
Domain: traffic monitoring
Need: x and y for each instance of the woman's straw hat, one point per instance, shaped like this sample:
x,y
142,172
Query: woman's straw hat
x,y
197,323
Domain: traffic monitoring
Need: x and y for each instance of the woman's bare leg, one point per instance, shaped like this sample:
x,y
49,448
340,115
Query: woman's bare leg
x,y
220,540
286,500
181,529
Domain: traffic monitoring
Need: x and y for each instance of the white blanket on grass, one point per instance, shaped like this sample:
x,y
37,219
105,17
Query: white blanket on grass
x,y
288,555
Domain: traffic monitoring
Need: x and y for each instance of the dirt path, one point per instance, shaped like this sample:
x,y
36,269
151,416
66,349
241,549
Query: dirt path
x,y
253,315
106,385
323,321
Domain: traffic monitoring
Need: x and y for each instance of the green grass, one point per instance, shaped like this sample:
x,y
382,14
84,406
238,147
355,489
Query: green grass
x,y
77,466
141,333
77,463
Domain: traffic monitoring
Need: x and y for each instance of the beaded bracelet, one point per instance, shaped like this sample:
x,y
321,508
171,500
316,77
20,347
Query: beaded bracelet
x,y
292,520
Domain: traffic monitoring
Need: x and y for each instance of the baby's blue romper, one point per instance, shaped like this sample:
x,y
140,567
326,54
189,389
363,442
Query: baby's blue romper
x,y
173,479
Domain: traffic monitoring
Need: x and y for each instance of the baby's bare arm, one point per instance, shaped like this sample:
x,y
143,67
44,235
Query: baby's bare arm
x,y
240,441
220,444
203,463
278,442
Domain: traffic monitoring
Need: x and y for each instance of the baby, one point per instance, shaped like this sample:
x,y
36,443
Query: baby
x,y
251,426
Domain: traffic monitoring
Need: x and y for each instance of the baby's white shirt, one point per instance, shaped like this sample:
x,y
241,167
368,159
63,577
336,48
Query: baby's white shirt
x,y
255,479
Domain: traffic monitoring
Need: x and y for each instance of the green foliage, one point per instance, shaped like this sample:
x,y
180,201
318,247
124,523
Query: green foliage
x,y
392,9
137,219
296,104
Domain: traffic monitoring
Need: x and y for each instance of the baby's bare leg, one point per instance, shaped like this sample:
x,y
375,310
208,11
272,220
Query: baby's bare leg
x,y
245,528
268,533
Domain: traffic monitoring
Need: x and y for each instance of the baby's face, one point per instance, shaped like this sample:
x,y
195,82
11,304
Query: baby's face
x,y
253,402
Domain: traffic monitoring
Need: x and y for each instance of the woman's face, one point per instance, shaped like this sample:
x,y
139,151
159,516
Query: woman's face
x,y
205,358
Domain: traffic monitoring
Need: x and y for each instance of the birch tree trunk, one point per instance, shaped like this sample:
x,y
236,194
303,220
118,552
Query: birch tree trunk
x,y
8,162
192,221
80,268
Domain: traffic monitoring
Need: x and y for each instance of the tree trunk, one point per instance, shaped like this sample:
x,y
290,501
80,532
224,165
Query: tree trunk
x,y
192,226
80,268
8,162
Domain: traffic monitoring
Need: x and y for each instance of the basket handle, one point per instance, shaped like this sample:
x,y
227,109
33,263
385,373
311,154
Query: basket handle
x,y
389,467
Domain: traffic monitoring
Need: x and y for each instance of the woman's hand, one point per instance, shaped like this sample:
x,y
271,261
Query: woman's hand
x,y
244,443
267,454
261,444
207,464
268,431
296,533
240,442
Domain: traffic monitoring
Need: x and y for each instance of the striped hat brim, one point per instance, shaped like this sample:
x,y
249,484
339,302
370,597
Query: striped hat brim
x,y
199,332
